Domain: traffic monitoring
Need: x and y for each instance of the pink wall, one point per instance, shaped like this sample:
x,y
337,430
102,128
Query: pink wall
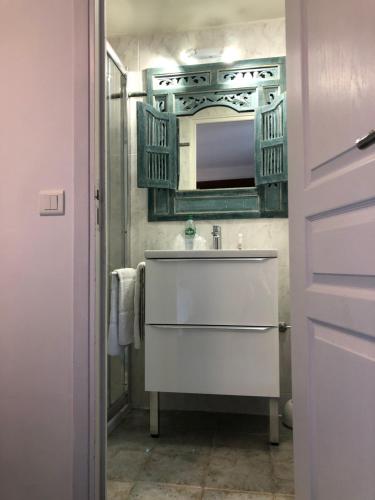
x,y
38,104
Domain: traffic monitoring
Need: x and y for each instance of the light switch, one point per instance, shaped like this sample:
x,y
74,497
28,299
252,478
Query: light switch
x,y
52,202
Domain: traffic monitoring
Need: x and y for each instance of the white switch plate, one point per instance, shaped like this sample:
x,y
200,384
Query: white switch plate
x,y
52,202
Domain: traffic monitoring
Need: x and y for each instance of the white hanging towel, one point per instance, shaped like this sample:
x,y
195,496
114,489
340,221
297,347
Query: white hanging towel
x,y
121,324
139,305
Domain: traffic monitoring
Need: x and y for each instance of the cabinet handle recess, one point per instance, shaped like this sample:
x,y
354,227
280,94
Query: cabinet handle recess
x,y
214,259
213,327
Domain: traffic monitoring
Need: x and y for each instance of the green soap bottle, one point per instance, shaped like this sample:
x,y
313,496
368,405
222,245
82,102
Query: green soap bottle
x,y
190,232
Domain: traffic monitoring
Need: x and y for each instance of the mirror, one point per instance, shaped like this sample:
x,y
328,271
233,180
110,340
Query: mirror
x,y
217,150
212,141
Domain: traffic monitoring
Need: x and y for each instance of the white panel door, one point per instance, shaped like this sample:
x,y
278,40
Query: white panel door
x,y
331,102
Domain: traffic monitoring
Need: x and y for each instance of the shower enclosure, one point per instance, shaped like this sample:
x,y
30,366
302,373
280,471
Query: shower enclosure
x,y
116,222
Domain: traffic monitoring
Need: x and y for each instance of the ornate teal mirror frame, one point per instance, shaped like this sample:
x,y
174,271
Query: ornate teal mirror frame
x,y
254,85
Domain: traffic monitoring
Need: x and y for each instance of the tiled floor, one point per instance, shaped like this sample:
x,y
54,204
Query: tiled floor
x,y
199,456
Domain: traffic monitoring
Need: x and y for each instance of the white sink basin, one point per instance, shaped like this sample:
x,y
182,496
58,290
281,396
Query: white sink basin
x,y
209,254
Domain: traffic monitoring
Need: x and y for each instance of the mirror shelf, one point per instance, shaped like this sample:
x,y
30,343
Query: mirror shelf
x,y
209,204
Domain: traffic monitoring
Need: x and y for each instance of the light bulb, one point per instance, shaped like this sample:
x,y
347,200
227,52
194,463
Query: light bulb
x,y
230,54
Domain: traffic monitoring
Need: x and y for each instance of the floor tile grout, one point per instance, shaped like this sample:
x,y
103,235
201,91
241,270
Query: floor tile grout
x,y
204,489
208,464
131,489
272,495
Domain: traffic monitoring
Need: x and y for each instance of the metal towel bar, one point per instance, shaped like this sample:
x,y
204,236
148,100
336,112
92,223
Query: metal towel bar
x,y
283,327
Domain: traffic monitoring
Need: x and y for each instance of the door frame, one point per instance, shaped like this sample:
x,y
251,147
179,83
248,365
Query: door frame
x,y
97,346
99,350
115,410
89,378
300,347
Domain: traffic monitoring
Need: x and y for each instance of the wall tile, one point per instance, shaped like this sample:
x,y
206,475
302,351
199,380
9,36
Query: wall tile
x,y
258,39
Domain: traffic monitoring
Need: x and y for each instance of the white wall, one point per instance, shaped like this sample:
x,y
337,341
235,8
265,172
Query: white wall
x,y
252,40
39,104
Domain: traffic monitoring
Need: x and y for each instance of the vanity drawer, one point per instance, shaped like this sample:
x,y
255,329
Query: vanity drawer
x,y
227,291
212,360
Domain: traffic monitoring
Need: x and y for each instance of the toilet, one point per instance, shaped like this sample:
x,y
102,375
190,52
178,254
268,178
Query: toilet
x,y
288,414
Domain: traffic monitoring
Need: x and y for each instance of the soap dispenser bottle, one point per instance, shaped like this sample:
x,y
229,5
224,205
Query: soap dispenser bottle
x,y
190,232
240,241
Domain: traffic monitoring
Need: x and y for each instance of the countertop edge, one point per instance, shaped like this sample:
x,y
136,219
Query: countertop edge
x,y
209,254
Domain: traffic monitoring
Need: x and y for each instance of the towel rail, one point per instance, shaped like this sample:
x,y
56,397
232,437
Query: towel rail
x,y
283,327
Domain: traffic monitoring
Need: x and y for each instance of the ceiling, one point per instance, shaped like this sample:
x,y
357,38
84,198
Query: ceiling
x,y
162,16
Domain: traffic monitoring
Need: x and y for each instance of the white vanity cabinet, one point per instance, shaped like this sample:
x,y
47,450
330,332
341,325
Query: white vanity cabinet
x,y
212,325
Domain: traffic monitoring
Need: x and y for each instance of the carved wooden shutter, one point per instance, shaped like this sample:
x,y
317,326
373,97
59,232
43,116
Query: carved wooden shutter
x,y
157,148
271,147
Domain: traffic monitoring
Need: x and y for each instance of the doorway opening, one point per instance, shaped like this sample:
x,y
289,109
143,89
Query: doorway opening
x,y
181,442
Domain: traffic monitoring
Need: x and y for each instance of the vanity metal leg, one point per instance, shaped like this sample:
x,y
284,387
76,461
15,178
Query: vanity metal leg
x,y
274,421
154,414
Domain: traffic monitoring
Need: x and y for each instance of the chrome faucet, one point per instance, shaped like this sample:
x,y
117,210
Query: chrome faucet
x,y
216,234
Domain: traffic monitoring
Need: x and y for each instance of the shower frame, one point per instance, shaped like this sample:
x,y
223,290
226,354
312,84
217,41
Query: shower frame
x,y
116,406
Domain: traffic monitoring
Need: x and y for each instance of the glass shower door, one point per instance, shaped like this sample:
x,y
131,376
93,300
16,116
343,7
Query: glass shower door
x,y
115,194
